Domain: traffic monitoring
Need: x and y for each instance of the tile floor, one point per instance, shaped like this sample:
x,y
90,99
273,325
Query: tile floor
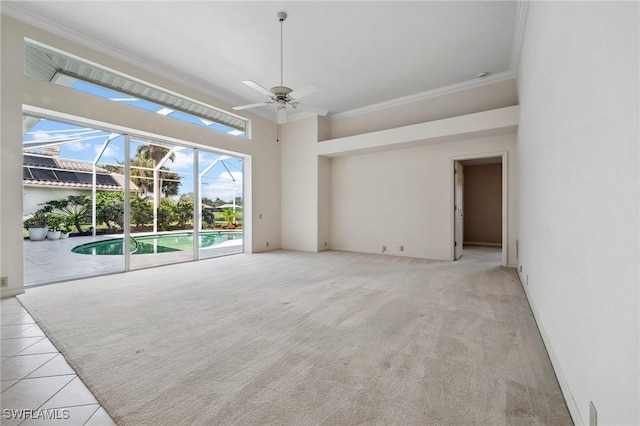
x,y
36,379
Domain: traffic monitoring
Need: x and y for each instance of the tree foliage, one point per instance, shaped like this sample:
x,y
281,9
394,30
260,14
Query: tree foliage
x,y
74,211
76,208
141,211
230,215
166,213
183,212
146,160
110,209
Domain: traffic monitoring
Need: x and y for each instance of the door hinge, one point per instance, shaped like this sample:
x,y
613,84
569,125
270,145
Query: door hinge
x,y
455,244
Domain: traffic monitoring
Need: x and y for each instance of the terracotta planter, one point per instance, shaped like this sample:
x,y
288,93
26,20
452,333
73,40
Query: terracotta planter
x,y
37,234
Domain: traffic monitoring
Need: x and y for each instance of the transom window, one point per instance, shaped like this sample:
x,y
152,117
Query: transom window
x,y
46,63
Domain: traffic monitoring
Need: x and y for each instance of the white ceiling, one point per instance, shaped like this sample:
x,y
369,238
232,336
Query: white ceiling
x,y
358,53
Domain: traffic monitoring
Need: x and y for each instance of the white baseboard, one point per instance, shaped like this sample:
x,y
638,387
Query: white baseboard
x,y
11,292
564,386
479,243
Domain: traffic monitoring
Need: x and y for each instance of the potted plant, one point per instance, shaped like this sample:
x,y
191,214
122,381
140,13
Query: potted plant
x,y
35,225
66,227
54,223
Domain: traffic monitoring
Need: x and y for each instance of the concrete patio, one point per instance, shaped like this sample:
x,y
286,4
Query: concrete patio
x,y
51,261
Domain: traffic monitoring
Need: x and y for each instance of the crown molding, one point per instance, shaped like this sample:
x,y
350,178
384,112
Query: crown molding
x,y
522,10
465,85
13,10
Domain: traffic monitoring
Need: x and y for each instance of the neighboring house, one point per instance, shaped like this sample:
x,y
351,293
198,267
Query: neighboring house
x,y
229,206
46,177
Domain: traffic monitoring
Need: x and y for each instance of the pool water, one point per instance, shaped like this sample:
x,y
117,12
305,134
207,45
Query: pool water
x,y
158,243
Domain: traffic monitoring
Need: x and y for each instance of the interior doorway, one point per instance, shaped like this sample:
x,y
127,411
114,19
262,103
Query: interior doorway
x,y
480,204
458,242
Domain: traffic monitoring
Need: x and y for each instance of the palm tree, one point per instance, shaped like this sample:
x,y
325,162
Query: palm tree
x,y
150,156
230,215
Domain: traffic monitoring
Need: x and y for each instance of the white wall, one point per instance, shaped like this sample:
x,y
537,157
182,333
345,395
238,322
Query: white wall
x,y
11,160
324,191
445,104
262,154
34,196
404,198
578,198
299,180
305,186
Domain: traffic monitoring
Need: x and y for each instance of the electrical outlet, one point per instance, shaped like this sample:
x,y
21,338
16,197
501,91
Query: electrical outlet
x,y
384,249
4,281
260,216
520,268
593,414
527,280
267,243
325,243
401,248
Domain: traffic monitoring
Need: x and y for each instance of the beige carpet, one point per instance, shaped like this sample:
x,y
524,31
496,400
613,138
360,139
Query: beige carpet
x,y
288,338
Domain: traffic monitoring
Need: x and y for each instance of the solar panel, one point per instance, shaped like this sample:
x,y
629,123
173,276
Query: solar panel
x,y
39,161
26,174
106,180
76,177
67,177
85,177
43,174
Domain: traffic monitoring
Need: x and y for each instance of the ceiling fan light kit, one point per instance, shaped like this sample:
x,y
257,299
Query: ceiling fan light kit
x,y
282,96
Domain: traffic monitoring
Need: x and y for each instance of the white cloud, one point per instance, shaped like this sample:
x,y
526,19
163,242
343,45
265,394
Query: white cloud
x,y
223,186
183,161
110,153
77,146
42,135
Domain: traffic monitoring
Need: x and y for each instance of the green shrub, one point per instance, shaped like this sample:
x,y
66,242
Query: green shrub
x,y
166,213
141,211
110,209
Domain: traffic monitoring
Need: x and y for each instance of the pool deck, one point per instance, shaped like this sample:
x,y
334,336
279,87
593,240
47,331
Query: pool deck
x,y
53,261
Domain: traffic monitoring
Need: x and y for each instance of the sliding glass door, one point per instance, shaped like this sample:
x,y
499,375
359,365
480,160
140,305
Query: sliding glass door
x,y
221,204
162,218
123,202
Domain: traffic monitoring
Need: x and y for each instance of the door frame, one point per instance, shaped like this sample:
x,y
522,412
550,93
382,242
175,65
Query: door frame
x,y
458,209
505,198
127,132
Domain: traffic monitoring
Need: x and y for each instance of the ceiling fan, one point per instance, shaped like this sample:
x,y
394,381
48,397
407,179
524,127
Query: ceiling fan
x,y
282,96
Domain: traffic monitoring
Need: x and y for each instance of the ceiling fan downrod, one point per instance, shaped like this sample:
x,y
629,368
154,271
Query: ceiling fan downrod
x,y
281,17
283,96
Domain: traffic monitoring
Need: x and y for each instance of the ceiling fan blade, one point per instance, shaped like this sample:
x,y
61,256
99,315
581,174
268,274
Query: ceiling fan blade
x,y
257,87
281,115
241,107
304,91
314,110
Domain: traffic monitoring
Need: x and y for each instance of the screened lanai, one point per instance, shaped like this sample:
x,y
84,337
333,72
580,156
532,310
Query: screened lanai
x,y
126,202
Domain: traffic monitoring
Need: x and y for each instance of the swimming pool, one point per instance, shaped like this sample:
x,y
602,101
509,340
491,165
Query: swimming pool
x,y
157,243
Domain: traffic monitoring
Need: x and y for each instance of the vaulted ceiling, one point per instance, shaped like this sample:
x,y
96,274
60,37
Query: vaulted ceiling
x,y
358,53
